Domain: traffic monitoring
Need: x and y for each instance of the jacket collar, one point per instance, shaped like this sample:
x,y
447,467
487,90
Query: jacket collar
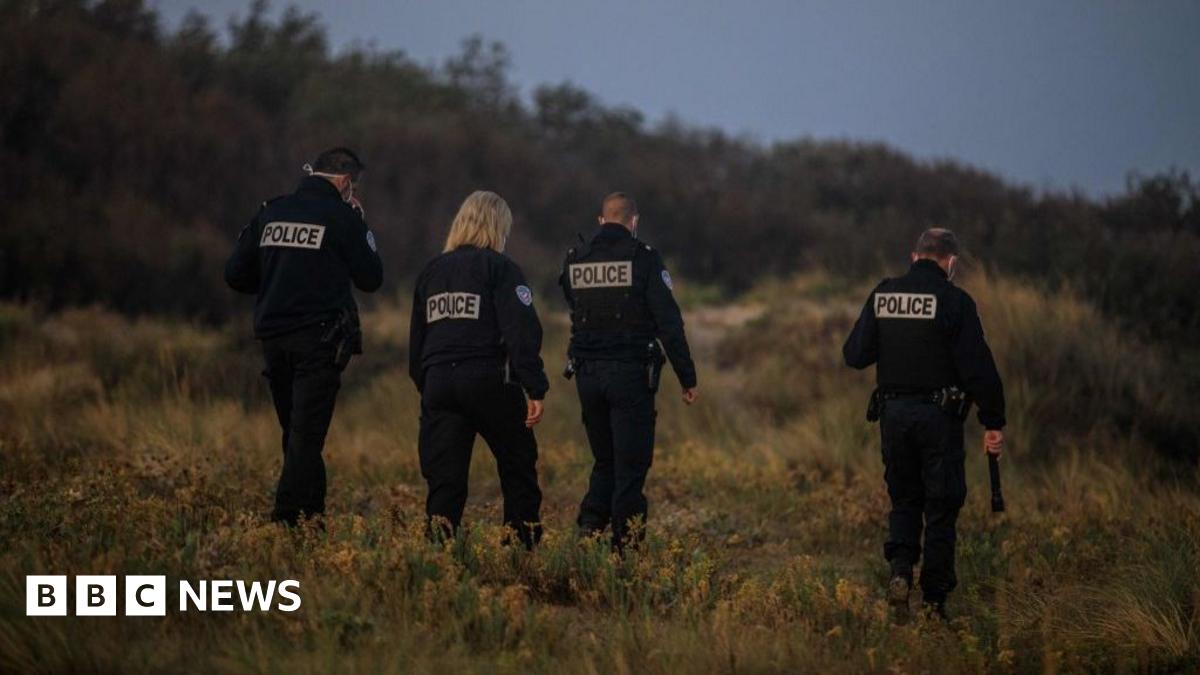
x,y
613,231
318,185
927,266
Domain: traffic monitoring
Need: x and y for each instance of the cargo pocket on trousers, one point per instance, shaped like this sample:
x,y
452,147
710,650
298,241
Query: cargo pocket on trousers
x,y
947,482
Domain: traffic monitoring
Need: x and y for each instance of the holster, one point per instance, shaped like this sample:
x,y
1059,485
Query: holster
x,y
953,401
345,334
874,406
655,359
570,369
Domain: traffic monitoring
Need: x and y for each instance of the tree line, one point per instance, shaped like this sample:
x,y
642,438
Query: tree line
x,y
131,155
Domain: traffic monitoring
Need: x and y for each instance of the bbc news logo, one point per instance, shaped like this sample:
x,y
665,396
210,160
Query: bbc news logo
x,y
146,595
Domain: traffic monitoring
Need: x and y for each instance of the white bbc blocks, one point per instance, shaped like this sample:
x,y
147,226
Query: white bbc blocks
x,y
95,595
145,595
46,595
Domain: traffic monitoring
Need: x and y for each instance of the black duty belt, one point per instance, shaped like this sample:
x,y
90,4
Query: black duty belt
x,y
932,396
470,362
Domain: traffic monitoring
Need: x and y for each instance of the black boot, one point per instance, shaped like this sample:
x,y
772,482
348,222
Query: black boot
x,y
935,609
898,589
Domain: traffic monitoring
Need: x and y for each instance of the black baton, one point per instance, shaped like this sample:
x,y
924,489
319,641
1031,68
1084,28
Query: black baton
x,y
997,495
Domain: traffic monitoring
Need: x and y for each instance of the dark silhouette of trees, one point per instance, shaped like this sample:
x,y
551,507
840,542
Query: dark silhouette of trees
x,y
130,157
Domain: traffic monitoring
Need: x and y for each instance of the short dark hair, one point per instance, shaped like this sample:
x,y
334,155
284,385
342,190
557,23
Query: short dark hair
x,y
937,242
339,161
618,207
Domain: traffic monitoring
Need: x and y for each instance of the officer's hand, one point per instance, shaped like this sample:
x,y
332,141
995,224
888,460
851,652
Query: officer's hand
x,y
357,206
690,395
993,442
533,413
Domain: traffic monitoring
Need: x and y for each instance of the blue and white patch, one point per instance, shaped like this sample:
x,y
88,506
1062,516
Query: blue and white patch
x,y
666,277
525,295
371,240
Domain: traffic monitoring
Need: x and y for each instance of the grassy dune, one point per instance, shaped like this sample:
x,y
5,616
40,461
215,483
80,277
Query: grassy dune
x,y
150,447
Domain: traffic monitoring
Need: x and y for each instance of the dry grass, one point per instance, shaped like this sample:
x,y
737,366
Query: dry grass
x,y
150,447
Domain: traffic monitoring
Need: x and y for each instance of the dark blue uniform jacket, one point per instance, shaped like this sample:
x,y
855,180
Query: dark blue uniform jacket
x,y
923,333
473,304
301,254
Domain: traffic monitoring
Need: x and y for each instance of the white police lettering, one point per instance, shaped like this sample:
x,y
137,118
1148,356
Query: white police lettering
x,y
601,274
451,306
905,305
292,235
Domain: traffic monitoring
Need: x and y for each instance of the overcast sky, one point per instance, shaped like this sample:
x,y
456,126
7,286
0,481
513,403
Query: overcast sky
x,y
1050,93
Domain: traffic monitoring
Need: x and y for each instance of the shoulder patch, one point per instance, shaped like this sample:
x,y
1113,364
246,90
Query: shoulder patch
x,y
371,241
666,277
525,295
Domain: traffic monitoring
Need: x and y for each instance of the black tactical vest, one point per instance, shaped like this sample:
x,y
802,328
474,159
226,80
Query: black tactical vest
x,y
609,292
916,315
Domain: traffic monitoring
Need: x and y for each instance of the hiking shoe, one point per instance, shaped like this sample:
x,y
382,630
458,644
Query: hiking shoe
x,y
898,589
935,610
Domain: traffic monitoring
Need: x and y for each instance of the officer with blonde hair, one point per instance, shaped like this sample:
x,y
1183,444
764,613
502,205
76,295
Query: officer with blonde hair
x,y
474,354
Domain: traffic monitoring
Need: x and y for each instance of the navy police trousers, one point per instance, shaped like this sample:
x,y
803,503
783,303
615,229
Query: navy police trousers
x,y
923,466
619,415
304,382
459,401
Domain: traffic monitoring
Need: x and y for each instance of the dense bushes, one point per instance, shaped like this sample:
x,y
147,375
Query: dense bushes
x,y
129,160
1072,378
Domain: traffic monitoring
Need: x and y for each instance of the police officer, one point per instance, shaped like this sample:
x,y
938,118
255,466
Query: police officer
x,y
300,255
474,354
621,302
924,335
